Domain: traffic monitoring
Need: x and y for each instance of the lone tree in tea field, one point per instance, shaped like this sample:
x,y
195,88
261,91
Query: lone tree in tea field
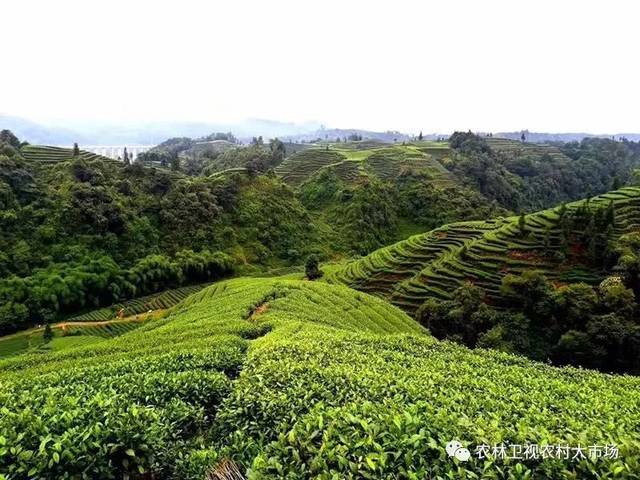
x,y
311,268
47,335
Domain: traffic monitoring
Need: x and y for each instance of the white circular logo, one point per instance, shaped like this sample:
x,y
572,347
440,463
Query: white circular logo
x,y
455,449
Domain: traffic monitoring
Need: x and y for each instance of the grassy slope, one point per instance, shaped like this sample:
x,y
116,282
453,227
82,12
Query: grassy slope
x,y
433,264
334,383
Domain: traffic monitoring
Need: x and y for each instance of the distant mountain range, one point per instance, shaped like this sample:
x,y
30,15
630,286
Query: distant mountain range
x,y
152,133
541,137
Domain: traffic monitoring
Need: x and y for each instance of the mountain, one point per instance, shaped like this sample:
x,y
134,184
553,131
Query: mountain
x,y
541,137
37,133
142,133
331,134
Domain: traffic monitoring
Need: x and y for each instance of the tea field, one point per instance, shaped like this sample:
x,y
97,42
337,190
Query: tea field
x,y
297,379
48,154
435,263
355,159
101,323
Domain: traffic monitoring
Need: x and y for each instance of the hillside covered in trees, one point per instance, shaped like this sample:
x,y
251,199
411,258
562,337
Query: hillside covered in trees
x,y
80,231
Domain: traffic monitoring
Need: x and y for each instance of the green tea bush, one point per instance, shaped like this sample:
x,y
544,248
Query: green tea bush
x,y
324,382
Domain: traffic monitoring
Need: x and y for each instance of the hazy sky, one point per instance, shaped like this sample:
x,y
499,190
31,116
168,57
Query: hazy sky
x,y
429,65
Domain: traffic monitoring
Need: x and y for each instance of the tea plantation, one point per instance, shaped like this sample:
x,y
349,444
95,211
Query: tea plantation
x,y
434,264
48,154
299,379
372,159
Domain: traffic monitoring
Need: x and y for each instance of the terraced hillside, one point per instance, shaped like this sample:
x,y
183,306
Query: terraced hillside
x,y
158,301
351,160
434,264
526,150
66,334
334,384
381,271
390,162
101,323
302,165
47,154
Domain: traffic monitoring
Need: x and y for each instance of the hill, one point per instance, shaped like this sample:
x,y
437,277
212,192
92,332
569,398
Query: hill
x,y
353,159
292,379
79,233
145,133
435,263
547,284
373,194
46,154
528,177
548,137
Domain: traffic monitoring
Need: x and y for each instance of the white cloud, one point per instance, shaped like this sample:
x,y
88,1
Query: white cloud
x,y
435,66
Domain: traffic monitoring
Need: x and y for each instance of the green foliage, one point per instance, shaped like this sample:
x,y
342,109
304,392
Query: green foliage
x,y
571,324
7,137
368,215
93,283
140,399
538,279
47,335
529,176
628,265
334,383
311,269
79,232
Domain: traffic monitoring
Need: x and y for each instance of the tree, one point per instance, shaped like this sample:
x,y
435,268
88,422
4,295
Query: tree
x,y
462,319
616,297
126,157
616,183
522,224
7,136
175,163
311,268
76,150
628,266
574,304
278,151
420,136
47,335
530,292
